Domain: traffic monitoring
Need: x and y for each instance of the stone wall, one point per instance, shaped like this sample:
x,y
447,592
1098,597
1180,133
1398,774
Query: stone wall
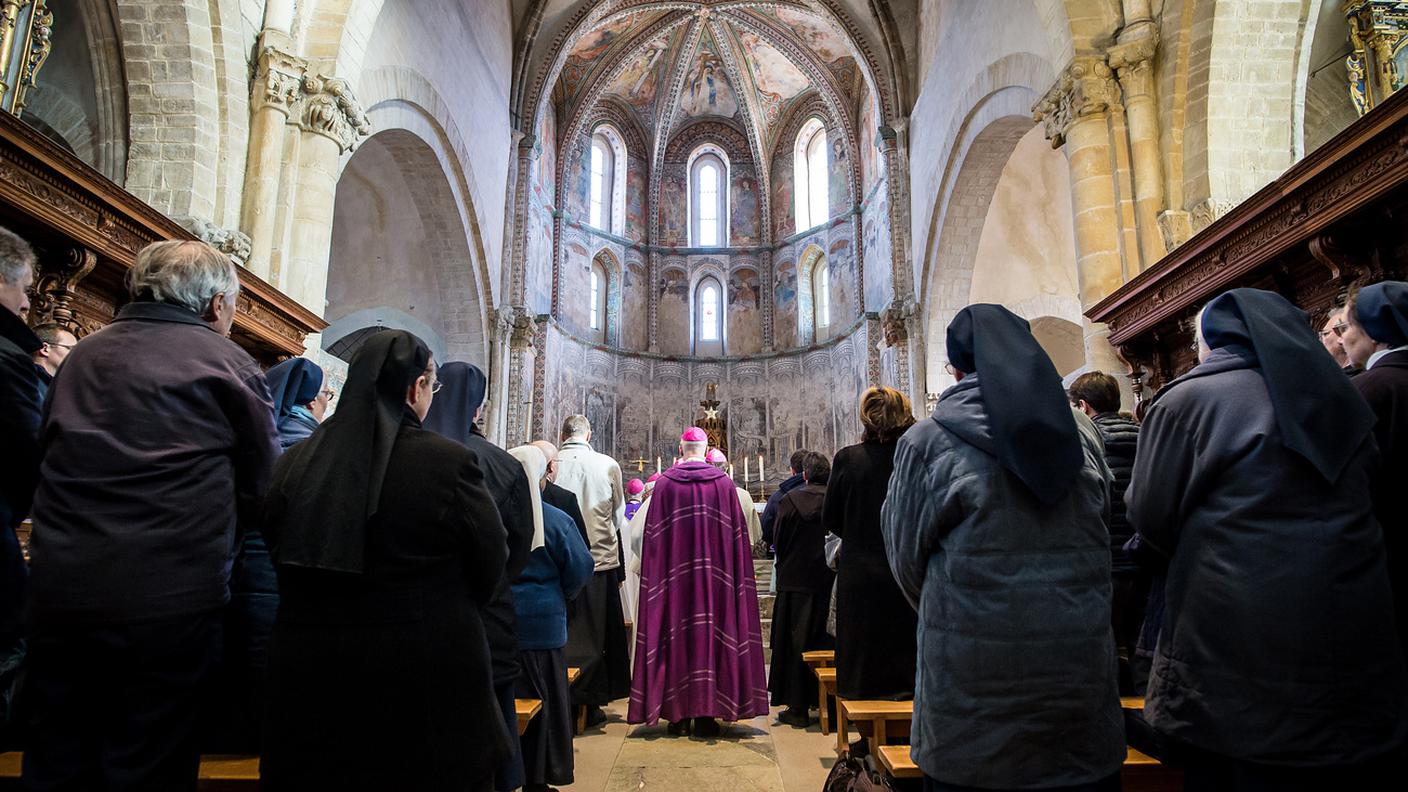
x,y
773,405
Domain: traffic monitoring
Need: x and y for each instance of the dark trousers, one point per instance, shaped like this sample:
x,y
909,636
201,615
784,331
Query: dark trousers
x,y
116,707
1130,594
1209,772
508,775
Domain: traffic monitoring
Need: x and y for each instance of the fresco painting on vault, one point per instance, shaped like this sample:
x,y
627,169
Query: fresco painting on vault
x,y
707,90
869,154
639,82
784,220
815,33
672,313
777,79
744,227
745,321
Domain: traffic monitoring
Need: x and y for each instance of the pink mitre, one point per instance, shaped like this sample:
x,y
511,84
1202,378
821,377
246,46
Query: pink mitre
x,y
715,457
635,487
694,435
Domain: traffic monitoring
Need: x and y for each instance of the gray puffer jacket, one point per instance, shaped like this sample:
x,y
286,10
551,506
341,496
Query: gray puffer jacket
x,y
1017,679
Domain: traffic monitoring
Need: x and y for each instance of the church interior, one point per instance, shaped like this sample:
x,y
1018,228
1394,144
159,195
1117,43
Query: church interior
x,y
735,214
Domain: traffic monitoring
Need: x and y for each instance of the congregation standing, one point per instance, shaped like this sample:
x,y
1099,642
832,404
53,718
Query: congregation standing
x,y
360,597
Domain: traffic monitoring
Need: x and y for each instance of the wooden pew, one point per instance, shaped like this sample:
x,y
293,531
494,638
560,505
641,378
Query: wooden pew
x,y
1140,773
884,719
526,709
825,691
218,773
820,658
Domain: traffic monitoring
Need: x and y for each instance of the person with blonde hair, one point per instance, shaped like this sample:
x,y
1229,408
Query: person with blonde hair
x,y
875,626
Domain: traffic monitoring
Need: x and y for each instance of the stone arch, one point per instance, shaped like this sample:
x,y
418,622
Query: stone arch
x,y
615,275
812,255
401,98
1241,115
1062,340
168,51
336,32
399,242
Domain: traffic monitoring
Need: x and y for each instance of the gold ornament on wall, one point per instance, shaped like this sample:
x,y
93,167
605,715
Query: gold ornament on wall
x,y
1378,58
26,27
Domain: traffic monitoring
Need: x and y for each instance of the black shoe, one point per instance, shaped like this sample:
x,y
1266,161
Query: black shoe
x,y
679,728
797,718
707,727
595,716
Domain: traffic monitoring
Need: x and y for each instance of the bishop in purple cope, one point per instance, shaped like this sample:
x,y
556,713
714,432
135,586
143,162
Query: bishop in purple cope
x,y
699,648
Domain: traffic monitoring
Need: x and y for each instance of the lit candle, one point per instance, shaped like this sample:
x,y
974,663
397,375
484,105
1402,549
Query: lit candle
x,y
657,465
746,479
730,471
762,470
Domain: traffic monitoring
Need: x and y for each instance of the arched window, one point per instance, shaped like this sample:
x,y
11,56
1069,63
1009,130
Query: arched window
x,y
606,181
597,319
708,200
811,172
821,298
709,317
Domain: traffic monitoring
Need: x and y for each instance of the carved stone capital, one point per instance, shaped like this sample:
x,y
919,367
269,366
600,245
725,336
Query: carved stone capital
x,y
895,321
1176,227
278,80
330,109
1133,61
233,243
1085,88
1207,212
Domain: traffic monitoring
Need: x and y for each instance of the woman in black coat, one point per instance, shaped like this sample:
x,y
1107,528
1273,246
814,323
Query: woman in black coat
x,y
875,625
387,544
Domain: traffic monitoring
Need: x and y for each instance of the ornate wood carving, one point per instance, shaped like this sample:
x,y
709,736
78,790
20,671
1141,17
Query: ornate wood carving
x,y
88,232
1332,219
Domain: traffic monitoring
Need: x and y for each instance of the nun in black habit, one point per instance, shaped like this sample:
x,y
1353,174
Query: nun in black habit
x,y
387,544
1277,665
453,415
994,528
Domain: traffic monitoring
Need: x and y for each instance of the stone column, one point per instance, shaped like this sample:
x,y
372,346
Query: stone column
x,y
1133,62
1076,114
522,361
276,90
768,288
500,358
332,123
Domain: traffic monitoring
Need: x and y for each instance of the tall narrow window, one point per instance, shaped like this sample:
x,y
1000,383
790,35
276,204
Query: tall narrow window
x,y
811,172
709,313
822,296
708,205
596,295
601,173
708,199
596,314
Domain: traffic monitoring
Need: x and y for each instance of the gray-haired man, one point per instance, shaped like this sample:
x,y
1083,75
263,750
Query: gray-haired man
x,y
19,464
157,438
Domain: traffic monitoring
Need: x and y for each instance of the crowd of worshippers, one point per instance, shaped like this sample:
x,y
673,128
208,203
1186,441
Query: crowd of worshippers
x,y
218,565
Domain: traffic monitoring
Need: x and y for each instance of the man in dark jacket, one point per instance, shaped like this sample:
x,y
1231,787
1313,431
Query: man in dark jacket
x,y
158,441
803,592
1097,394
994,528
792,482
19,463
455,414
1376,339
1253,479
56,341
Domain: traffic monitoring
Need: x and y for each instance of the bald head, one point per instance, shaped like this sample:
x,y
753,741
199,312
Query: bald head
x,y
550,451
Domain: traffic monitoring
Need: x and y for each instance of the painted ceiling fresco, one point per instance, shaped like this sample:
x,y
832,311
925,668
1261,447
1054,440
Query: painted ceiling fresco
x,y
747,64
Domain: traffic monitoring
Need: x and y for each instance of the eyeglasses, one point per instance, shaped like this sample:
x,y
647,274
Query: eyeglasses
x,y
57,344
436,386
328,393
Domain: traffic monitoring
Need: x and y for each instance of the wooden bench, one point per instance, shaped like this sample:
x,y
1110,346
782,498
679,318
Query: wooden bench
x,y
883,719
825,691
526,709
820,658
1141,773
218,773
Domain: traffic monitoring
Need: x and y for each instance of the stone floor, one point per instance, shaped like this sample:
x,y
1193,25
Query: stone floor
x,y
760,754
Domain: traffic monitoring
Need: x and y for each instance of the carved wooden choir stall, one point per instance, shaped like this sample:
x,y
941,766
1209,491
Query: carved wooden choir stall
x,y
87,231
1336,219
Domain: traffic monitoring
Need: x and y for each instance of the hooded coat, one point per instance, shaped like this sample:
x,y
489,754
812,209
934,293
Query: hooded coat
x,y
1276,646
1017,682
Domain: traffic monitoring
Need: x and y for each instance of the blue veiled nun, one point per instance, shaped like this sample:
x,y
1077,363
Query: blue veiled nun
x,y
299,399
1277,664
994,528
